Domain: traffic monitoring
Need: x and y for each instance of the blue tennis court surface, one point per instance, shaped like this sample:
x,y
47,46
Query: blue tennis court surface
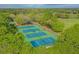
x,y
44,41
30,30
36,36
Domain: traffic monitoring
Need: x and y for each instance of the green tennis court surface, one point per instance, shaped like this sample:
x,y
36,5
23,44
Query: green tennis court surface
x,y
36,35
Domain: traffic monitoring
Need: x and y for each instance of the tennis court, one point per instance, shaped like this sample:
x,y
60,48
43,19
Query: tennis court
x,y
36,35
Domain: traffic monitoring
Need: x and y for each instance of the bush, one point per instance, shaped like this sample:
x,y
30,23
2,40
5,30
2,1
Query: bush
x,y
57,26
21,19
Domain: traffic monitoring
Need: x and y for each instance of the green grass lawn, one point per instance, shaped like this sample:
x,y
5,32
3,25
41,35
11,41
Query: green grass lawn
x,y
69,22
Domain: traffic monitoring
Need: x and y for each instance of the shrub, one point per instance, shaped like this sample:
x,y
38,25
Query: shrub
x,y
57,26
21,19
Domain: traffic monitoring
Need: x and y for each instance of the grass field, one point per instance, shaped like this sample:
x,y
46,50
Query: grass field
x,y
69,22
